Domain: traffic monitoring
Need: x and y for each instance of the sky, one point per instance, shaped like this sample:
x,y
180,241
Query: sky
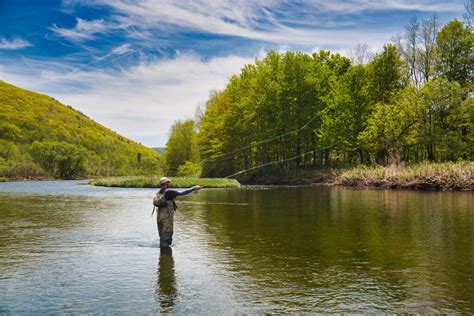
x,y
137,66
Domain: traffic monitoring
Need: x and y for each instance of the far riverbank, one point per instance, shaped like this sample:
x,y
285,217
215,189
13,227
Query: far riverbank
x,y
426,176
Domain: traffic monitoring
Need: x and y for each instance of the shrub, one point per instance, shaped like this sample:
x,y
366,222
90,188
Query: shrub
x,y
25,169
189,169
150,165
4,167
61,159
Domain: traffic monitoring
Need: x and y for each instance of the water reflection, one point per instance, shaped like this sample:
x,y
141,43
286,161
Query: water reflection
x,y
166,290
334,249
278,250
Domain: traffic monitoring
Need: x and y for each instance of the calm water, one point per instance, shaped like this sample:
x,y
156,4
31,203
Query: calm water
x,y
69,247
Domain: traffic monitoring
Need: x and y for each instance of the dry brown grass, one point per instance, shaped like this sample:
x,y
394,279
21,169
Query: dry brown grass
x,y
436,176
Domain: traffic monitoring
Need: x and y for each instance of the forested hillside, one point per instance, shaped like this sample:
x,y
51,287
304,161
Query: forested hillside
x,y
409,103
40,137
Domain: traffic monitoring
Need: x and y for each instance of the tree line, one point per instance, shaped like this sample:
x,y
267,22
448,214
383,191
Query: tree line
x,y
409,103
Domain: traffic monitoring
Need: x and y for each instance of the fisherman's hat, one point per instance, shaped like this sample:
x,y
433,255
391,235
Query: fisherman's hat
x,y
164,180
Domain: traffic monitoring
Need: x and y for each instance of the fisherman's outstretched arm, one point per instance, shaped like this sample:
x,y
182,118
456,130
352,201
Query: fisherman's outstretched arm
x,y
187,191
171,194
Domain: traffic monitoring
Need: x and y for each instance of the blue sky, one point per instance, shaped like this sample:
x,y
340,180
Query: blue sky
x,y
137,66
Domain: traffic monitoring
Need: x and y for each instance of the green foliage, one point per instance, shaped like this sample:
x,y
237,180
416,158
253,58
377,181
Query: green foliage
x,y
63,160
392,126
388,74
9,132
4,168
446,129
276,96
293,111
189,169
25,169
181,146
151,165
26,117
347,113
455,52
8,150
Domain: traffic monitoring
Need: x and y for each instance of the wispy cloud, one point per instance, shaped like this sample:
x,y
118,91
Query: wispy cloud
x,y
15,43
84,30
317,22
259,20
358,6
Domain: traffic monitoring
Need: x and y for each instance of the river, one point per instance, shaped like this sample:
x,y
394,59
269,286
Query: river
x,y
67,247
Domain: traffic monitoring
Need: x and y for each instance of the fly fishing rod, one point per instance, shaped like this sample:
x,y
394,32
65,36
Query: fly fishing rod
x,y
281,160
293,132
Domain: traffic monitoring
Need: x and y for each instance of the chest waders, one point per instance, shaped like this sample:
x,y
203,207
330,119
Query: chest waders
x,y
165,222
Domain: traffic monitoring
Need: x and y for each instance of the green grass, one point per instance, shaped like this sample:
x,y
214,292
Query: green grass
x,y
154,182
439,176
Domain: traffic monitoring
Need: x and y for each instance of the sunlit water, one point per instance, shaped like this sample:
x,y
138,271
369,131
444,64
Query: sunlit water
x,y
66,247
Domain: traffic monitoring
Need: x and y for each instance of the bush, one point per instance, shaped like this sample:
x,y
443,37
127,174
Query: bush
x,y
4,167
25,170
189,169
9,131
150,165
8,150
61,159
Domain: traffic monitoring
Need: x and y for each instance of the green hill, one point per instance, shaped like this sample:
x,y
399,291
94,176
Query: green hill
x,y
40,137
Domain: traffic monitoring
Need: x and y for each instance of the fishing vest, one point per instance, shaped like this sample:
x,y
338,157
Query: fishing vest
x,y
160,202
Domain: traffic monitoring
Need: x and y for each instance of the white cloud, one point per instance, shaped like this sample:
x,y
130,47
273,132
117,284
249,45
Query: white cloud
x,y
358,6
262,20
15,43
84,30
141,102
122,49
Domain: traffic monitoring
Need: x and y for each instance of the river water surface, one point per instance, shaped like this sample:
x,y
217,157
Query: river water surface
x,y
66,247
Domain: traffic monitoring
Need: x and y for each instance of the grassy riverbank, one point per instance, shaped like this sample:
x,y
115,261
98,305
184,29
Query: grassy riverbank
x,y
154,182
430,176
425,176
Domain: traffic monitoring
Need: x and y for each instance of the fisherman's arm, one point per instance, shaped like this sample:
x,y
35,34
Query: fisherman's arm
x,y
171,194
187,191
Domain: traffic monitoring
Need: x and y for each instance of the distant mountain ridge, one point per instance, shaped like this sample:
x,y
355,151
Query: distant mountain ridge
x,y
28,117
160,150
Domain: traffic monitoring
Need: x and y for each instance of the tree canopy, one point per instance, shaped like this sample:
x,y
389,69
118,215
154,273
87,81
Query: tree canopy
x,y
295,111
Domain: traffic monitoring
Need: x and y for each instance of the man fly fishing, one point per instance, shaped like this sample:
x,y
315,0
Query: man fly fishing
x,y
164,200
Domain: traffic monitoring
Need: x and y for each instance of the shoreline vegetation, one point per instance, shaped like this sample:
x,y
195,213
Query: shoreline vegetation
x,y
154,182
427,176
448,176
